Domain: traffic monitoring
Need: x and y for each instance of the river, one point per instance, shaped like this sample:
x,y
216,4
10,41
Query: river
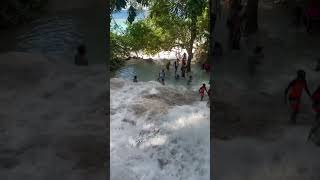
x,y
158,131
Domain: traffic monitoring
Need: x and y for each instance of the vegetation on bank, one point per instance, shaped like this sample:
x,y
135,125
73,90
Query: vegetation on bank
x,y
14,12
170,24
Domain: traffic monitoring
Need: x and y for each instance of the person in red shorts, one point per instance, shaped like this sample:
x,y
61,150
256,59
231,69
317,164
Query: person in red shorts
x,y
295,89
202,90
316,108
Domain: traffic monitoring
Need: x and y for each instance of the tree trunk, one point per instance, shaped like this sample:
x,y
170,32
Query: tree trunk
x,y
251,25
193,31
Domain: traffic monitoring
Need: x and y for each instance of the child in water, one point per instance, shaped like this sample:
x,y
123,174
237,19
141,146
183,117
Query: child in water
x,y
202,90
135,79
162,75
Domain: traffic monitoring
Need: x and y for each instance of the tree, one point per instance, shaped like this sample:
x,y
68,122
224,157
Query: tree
x,y
180,20
141,36
170,24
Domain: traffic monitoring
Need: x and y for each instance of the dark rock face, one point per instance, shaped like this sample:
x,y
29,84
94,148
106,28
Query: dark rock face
x,y
13,12
315,137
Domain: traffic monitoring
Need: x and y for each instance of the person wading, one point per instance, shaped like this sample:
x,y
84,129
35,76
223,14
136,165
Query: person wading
x,y
202,91
168,65
175,66
135,79
295,89
162,75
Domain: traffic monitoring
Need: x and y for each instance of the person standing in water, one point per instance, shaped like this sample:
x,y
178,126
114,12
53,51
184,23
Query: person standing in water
x,y
81,56
175,66
162,75
168,65
190,80
316,109
184,59
135,79
202,90
296,87
183,71
178,61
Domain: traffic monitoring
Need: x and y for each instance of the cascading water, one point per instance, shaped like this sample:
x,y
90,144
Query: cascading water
x,y
158,132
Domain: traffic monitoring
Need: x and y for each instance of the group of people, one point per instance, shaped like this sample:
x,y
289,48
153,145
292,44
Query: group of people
x,y
183,66
293,93
162,75
176,64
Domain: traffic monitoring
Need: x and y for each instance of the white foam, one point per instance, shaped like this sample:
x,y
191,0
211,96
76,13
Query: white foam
x,y
151,140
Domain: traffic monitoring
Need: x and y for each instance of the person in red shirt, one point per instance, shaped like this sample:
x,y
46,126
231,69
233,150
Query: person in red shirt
x,y
202,90
316,109
295,89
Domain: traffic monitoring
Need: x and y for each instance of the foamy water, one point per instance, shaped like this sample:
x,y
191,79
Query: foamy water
x,y
158,132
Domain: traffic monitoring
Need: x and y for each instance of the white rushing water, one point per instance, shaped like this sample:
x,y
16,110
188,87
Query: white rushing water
x,y
158,132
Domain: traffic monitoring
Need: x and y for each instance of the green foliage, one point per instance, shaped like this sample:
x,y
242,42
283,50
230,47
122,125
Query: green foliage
x,y
142,37
171,23
203,25
119,50
201,53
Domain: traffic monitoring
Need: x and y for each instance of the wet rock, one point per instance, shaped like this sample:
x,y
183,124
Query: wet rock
x,y
9,163
22,69
116,83
316,137
133,123
162,163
